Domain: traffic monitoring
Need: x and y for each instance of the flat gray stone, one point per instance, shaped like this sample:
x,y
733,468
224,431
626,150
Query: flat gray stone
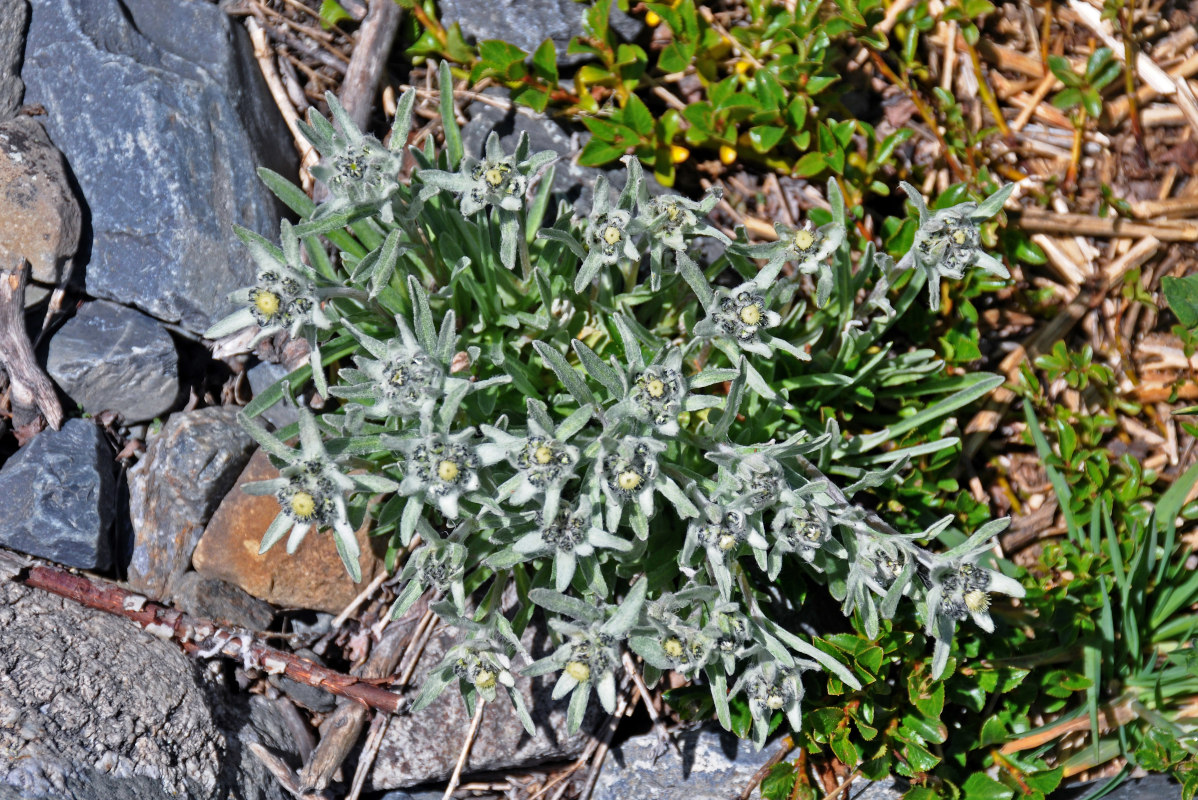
x,y
58,495
221,602
527,23
188,468
423,747
164,118
1151,787
262,377
94,708
112,358
714,765
14,16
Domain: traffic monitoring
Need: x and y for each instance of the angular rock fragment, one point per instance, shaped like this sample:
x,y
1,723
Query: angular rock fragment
x,y
188,468
59,497
111,358
164,118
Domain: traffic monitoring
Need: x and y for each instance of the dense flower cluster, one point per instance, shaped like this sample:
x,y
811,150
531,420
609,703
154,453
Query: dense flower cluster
x,y
629,464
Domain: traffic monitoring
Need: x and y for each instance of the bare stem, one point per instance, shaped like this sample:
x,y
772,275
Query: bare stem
x,y
457,770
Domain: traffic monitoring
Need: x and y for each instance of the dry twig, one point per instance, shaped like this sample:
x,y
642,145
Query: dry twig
x,y
374,39
265,59
30,387
480,706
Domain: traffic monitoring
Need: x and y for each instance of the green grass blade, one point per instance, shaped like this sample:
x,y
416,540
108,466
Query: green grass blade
x,y
1167,510
1064,496
983,386
449,123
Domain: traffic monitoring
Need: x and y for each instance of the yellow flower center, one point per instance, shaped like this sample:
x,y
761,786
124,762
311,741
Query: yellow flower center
x,y
628,480
803,240
655,388
543,454
485,679
774,701
959,236
611,234
494,176
977,600
303,505
578,671
727,541
673,647
672,212
267,303
750,315
447,470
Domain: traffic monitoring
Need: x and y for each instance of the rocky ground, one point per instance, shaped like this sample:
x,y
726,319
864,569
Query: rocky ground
x,y
130,133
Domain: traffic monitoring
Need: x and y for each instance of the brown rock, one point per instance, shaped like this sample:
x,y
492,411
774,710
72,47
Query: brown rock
x,y
313,577
40,219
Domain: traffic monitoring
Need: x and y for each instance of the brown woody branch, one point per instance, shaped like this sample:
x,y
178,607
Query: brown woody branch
x,y
205,638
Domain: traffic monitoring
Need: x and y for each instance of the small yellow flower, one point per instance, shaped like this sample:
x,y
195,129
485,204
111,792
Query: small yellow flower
x,y
578,671
543,454
303,505
977,601
655,388
494,176
803,240
267,303
727,154
629,480
611,234
750,315
485,679
673,647
652,20
678,154
447,471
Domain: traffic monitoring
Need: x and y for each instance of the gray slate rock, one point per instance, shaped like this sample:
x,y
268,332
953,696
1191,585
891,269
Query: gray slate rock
x,y
14,16
112,358
714,765
527,23
93,708
188,468
423,747
39,215
1151,787
214,599
59,495
164,117
262,377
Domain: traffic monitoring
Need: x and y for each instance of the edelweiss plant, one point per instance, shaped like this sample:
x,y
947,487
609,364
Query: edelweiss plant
x,y
660,457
